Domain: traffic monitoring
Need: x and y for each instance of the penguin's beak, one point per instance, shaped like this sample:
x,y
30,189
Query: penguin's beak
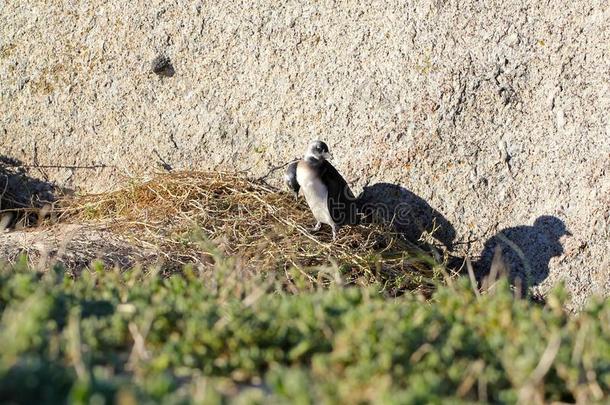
x,y
327,155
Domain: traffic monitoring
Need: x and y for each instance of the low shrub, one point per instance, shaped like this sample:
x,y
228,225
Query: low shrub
x,y
131,337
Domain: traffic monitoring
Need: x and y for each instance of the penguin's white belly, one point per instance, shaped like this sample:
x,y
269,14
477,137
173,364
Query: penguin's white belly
x,y
316,193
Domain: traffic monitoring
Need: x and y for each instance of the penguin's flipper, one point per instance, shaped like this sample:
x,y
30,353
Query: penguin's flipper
x,y
341,200
290,177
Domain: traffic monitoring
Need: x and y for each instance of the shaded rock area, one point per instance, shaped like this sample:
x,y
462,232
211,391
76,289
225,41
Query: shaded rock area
x,y
532,251
410,214
491,113
24,200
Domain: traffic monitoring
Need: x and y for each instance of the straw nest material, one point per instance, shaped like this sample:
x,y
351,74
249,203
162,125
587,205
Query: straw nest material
x,y
263,228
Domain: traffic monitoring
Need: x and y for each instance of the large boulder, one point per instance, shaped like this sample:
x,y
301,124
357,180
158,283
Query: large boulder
x,y
493,114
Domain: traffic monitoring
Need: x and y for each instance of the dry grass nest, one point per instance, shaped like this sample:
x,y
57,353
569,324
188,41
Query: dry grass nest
x,y
260,227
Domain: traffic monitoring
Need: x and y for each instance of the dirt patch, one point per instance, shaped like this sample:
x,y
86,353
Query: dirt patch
x,y
74,246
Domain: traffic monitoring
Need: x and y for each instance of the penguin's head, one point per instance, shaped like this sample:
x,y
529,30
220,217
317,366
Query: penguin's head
x,y
317,151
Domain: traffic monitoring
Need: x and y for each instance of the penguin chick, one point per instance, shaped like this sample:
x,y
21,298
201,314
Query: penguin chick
x,y
327,193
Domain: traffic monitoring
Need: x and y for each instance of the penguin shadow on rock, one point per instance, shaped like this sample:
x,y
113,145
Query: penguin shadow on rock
x,y
410,214
24,200
523,253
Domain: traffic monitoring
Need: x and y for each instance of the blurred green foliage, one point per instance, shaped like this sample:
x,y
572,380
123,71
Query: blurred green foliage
x,y
136,337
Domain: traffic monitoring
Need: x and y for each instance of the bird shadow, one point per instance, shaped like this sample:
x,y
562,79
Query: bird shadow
x,y
24,200
526,251
410,214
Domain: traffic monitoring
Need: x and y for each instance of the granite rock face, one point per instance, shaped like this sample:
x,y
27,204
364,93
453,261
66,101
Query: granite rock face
x,y
493,113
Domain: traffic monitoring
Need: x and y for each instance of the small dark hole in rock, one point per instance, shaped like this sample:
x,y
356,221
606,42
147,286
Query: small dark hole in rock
x,y
162,66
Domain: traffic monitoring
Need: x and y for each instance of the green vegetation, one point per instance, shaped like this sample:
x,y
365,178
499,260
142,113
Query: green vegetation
x,y
227,335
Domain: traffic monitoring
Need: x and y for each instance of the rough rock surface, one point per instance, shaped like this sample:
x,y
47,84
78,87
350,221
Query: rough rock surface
x,y
493,113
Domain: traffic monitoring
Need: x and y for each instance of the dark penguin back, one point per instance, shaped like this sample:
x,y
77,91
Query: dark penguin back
x,y
341,201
